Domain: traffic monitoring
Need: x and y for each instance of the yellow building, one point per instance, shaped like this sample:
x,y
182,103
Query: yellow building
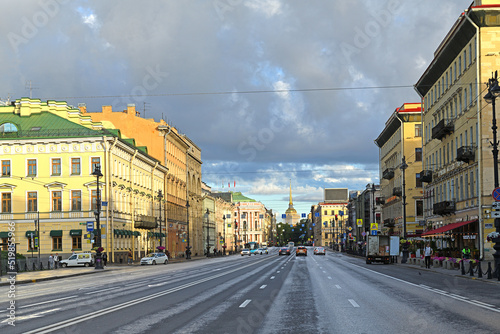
x,y
400,148
457,131
48,154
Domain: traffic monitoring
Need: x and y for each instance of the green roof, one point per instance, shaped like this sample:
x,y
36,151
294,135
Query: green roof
x,y
44,125
238,197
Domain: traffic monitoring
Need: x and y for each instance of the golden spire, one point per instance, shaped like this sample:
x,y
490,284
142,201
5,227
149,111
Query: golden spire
x,y
291,203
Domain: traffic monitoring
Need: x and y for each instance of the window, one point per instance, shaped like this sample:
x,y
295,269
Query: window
x,y
455,70
75,166
56,166
418,130
459,65
471,93
6,202
5,167
419,208
472,184
418,154
5,243
32,201
56,201
448,153
451,150
418,181
466,186
465,60
76,243
57,243
76,200
31,167
333,212
8,127
465,98
461,188
470,54
96,161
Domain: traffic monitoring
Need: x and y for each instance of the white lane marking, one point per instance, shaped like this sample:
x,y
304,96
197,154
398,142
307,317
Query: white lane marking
x,y
353,303
324,271
103,290
477,301
272,277
338,286
458,296
31,316
441,292
159,284
282,267
329,277
49,301
278,272
263,286
245,303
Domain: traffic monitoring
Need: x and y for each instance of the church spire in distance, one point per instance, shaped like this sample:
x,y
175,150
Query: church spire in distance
x,y
291,203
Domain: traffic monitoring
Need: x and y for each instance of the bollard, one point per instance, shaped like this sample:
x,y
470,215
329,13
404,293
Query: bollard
x,y
471,271
25,266
41,265
479,270
489,271
462,267
34,267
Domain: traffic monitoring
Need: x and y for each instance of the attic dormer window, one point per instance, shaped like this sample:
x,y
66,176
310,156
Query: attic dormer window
x,y
8,127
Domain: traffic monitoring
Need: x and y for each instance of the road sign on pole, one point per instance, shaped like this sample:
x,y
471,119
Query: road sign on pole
x,y
496,194
90,226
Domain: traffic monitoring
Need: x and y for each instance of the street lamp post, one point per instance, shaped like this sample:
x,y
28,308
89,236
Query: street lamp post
x,y
160,197
224,245
188,247
490,97
98,257
403,167
234,237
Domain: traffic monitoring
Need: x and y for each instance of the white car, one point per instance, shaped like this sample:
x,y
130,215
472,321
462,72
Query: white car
x,y
263,251
80,259
245,251
154,258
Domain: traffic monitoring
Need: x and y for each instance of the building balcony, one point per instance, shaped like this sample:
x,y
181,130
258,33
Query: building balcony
x,y
465,154
442,129
145,222
397,191
444,208
388,173
426,176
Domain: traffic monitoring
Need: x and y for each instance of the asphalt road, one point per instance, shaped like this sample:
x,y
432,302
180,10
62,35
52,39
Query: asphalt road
x,y
257,294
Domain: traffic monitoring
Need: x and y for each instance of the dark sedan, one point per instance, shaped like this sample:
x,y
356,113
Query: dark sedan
x,y
284,251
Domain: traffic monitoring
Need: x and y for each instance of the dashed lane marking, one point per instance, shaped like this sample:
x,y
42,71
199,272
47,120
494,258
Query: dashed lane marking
x,y
272,277
338,286
353,303
245,303
263,286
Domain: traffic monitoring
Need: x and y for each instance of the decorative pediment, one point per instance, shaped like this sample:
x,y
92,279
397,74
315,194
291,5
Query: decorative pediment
x,y
55,185
7,186
93,185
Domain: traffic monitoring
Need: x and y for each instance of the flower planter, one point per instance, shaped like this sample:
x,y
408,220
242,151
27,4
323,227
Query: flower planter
x,y
437,263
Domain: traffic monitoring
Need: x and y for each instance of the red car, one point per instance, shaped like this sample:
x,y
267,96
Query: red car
x,y
284,251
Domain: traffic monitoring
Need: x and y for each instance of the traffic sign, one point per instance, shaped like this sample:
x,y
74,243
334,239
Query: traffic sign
x,y
374,227
359,222
496,194
374,232
90,226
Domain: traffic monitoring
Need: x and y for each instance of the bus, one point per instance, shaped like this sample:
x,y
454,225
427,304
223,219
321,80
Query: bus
x,y
291,244
252,245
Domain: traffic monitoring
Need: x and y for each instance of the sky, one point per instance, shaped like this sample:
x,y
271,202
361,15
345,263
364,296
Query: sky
x,y
272,91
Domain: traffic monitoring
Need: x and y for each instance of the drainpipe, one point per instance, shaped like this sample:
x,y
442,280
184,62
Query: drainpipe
x,y
479,142
111,235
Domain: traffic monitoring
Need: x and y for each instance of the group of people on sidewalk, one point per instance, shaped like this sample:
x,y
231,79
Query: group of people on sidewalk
x,y
428,253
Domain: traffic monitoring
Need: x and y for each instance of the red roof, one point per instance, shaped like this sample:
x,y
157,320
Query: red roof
x,y
448,227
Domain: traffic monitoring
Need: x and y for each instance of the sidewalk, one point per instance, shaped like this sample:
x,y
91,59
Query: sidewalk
x,y
45,275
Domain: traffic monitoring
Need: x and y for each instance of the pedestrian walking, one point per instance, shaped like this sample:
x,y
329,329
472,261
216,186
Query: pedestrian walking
x,y
130,256
105,259
427,253
56,261
51,261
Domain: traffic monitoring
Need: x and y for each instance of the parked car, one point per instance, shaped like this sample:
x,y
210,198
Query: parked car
x,y
245,251
154,258
284,251
301,250
319,251
78,260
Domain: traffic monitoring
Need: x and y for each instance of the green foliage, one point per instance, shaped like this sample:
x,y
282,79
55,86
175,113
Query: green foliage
x,y
4,255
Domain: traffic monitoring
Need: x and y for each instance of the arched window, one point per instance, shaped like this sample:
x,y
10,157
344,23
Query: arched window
x,y
8,127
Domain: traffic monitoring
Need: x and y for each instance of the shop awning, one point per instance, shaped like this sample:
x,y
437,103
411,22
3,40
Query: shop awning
x,y
56,233
137,233
163,235
4,235
28,234
75,233
447,228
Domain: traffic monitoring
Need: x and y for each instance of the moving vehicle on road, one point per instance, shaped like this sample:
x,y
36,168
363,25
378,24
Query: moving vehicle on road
x,y
78,260
264,250
256,251
319,251
284,251
155,258
245,251
301,250
291,244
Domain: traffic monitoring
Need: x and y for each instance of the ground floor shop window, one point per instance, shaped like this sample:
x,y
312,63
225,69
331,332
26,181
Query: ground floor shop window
x,y
4,243
57,243
77,243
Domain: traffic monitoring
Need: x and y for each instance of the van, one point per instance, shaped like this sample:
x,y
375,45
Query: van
x,y
80,259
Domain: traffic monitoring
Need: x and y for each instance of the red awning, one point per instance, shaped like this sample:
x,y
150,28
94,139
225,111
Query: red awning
x,y
448,227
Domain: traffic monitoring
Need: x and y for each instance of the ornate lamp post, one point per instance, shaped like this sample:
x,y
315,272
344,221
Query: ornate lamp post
x,y
188,247
490,97
234,238
98,257
160,197
403,167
